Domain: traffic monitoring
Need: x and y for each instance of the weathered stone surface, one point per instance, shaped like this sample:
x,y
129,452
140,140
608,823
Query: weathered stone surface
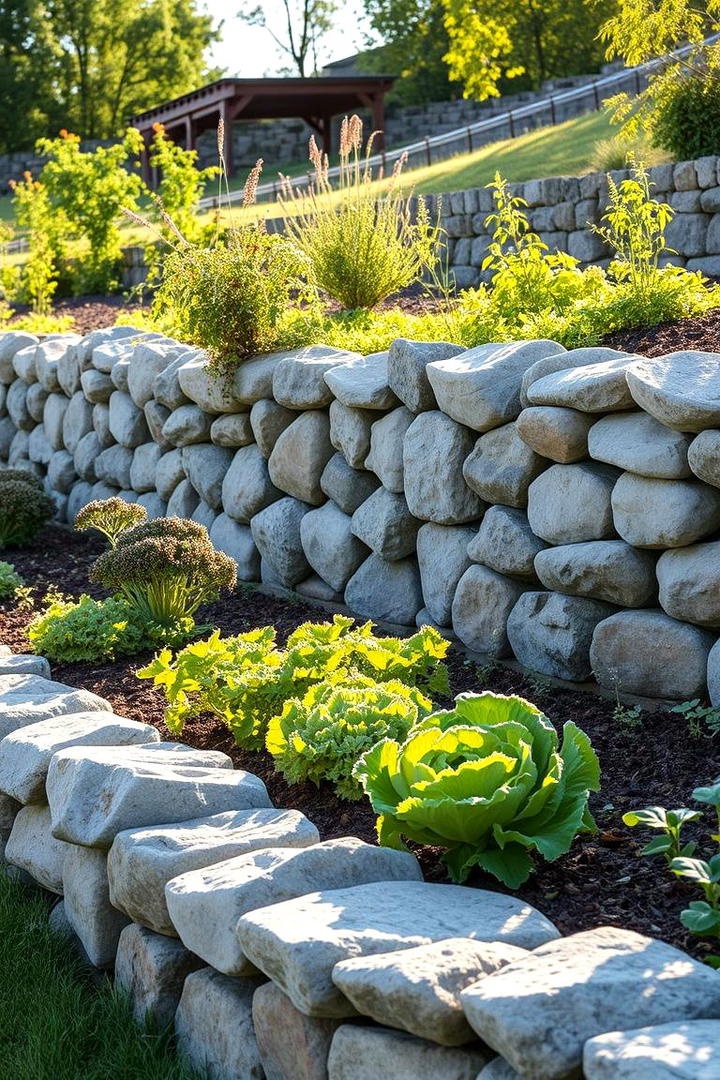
x,y
672,1051
26,699
34,400
11,343
681,390
704,456
596,388
442,552
347,487
32,847
24,664
499,1069
276,531
247,488
213,1026
80,495
385,524
268,420
95,793
481,387
607,570
87,904
105,355
166,385
169,473
292,1046
186,425
113,465
406,370
38,446
101,425
120,374
53,416
315,588
23,364
47,354
539,1011
387,440
16,404
96,386
434,451
638,443
253,379
689,580
418,990
664,513
205,466
143,470
501,467
77,421
211,390
25,754
237,542
298,942
571,503
551,633
299,456
126,421
386,591
142,861
364,1053
183,501
148,359
233,430
330,546
483,601
648,653
363,384
713,675
205,904
204,515
151,969
573,359
299,377
350,432
61,472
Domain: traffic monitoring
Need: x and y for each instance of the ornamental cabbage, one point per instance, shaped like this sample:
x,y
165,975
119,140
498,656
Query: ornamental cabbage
x,y
486,781
321,736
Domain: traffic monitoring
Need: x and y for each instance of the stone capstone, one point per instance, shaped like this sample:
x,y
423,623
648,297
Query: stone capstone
x,y
363,384
299,377
595,388
681,389
406,370
26,699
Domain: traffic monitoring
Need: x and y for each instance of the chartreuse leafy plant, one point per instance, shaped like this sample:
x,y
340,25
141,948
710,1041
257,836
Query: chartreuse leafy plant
x,y
24,509
10,581
488,781
701,917
166,569
322,735
111,517
246,679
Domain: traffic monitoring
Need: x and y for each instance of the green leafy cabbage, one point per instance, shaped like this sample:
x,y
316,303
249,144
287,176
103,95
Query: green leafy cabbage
x,y
486,780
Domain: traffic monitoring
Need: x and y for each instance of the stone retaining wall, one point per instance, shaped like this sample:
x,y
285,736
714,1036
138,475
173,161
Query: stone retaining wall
x,y
561,507
562,208
278,957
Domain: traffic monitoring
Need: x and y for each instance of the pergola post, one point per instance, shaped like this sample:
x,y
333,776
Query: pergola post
x,y
189,134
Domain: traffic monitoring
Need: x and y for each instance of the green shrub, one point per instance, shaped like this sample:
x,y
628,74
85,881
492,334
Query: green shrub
x,y
613,153
322,735
166,568
23,476
368,246
687,124
246,680
68,631
24,509
700,917
10,581
36,281
111,517
488,782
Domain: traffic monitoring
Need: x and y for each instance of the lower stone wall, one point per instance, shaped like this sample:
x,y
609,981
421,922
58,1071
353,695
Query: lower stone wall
x,y
278,957
559,507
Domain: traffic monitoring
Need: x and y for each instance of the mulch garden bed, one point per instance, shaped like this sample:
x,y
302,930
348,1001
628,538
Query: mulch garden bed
x,y
601,881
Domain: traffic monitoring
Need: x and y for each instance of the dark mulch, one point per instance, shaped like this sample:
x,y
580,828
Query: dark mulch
x,y
601,881
702,333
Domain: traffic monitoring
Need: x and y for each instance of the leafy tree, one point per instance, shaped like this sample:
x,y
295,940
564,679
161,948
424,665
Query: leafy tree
x,y
415,41
679,107
305,22
28,61
492,40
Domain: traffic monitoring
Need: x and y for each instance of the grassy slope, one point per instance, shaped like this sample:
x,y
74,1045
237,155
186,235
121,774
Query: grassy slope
x,y
55,1025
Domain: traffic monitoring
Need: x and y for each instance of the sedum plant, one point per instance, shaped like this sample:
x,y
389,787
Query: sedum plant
x,y
322,735
22,475
167,569
10,581
487,781
111,517
246,679
24,509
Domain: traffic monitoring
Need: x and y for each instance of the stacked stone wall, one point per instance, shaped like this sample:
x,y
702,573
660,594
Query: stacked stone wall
x,y
559,507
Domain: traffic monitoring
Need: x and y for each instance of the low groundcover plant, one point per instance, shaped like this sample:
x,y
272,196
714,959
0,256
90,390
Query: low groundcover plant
x,y
10,581
488,782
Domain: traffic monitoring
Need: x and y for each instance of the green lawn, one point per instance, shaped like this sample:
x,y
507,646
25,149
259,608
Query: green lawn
x,y
55,1024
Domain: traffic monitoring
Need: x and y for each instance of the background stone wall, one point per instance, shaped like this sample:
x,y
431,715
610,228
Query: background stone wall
x,y
561,507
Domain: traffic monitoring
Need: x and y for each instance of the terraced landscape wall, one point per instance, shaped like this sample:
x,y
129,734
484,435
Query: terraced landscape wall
x,y
559,507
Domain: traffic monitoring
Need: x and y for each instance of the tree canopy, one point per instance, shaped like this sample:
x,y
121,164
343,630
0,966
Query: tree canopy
x,y
88,65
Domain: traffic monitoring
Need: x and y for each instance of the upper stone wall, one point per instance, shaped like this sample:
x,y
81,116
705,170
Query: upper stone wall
x,y
560,506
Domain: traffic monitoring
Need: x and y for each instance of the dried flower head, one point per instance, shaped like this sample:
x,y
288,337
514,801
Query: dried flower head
x,y
111,517
221,139
251,184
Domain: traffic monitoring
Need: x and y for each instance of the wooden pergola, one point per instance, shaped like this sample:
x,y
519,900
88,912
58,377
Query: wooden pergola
x,y
316,101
